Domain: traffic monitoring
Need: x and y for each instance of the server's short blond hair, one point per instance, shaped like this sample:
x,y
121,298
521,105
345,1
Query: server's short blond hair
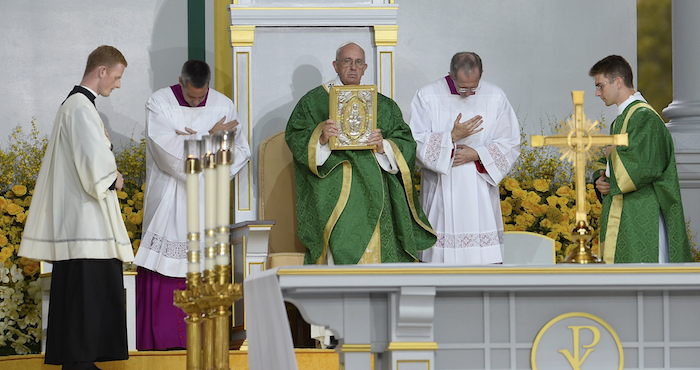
x,y
104,55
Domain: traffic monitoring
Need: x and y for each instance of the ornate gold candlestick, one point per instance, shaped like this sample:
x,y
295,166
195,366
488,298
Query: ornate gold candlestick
x,y
187,300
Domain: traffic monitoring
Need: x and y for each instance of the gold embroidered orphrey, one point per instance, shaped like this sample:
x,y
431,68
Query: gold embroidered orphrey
x,y
576,147
354,109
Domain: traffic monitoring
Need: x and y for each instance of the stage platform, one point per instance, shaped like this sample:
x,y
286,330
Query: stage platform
x,y
307,359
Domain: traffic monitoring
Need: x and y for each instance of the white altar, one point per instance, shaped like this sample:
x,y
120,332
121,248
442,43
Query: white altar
x,y
421,316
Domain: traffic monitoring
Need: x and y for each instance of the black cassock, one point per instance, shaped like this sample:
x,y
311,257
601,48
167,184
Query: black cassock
x,y
87,312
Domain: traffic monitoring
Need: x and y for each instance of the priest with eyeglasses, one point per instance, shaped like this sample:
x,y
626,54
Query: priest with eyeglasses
x,y
468,140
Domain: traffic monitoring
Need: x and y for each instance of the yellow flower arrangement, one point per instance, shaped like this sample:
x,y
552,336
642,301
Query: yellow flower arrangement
x,y
545,213
131,161
20,294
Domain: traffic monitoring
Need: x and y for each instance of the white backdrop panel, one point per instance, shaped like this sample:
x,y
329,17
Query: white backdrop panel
x,y
45,45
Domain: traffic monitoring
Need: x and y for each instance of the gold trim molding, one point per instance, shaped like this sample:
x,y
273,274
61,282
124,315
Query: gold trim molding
x,y
356,348
125,273
386,35
242,35
488,271
412,346
298,8
399,362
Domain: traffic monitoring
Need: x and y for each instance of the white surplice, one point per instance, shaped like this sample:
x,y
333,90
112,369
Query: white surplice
x,y
164,238
463,205
73,214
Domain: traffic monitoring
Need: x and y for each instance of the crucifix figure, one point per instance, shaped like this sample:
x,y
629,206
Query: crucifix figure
x,y
576,146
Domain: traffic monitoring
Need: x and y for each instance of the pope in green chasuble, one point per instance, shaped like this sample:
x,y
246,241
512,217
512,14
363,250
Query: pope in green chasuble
x,y
643,186
349,206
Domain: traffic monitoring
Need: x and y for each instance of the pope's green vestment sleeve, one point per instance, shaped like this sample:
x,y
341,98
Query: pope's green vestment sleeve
x,y
643,186
341,204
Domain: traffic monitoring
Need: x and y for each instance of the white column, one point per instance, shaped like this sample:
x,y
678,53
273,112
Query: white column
x,y
385,37
249,241
242,41
412,343
684,111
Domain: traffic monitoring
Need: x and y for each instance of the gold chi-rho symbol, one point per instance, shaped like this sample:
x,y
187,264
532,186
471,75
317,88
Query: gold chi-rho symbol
x,y
589,343
576,360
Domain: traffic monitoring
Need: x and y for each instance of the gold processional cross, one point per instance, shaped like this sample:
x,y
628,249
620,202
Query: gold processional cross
x,y
576,147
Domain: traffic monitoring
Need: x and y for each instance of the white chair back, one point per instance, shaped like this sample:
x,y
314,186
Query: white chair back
x,y
526,248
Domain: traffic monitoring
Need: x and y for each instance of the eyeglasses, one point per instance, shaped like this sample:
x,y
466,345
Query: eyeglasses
x,y
464,90
600,86
347,62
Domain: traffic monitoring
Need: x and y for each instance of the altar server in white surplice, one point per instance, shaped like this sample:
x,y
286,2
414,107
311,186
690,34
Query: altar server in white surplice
x,y
187,110
468,139
75,223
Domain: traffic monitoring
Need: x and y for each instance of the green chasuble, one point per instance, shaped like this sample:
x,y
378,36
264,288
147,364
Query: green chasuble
x,y
643,185
349,206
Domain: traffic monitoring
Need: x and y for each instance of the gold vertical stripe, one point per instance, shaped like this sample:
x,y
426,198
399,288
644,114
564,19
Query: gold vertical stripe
x,y
613,229
622,177
339,207
390,54
408,185
248,122
344,190
373,252
222,48
391,73
380,66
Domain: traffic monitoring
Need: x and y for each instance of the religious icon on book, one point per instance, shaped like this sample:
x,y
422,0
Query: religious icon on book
x,y
354,109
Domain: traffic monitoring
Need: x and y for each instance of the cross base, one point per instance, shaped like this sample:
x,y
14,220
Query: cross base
x,y
581,253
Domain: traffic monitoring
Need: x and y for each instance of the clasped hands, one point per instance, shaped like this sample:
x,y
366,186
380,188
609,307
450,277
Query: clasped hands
x,y
218,126
330,129
464,153
602,183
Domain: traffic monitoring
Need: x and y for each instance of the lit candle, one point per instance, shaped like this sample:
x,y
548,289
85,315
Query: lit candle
x,y
209,164
223,181
192,169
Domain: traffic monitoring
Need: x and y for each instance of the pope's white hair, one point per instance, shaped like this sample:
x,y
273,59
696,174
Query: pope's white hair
x,y
340,49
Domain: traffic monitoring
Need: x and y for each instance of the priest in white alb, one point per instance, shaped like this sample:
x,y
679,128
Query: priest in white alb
x,y
187,110
468,140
